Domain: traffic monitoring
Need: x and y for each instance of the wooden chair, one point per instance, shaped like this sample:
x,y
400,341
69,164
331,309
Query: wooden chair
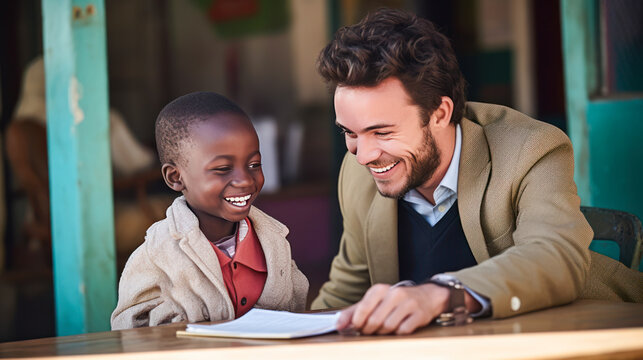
x,y
620,227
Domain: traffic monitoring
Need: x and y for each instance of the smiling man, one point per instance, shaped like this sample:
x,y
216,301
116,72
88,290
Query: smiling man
x,y
387,128
451,210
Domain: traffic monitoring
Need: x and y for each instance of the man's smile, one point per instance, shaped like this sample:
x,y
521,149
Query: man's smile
x,y
380,170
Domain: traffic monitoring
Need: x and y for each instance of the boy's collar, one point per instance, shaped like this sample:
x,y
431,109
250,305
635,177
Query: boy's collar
x,y
182,221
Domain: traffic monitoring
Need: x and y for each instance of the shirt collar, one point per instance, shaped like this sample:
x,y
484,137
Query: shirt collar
x,y
250,253
229,243
450,180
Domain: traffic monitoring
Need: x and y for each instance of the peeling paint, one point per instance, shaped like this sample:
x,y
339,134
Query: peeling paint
x,y
75,90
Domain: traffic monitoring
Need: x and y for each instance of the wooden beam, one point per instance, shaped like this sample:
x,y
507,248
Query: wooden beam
x,y
578,19
79,164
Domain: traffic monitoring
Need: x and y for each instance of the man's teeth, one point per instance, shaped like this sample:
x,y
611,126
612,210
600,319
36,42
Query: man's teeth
x,y
384,169
238,200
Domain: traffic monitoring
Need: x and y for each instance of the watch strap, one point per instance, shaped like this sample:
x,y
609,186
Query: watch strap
x,y
456,313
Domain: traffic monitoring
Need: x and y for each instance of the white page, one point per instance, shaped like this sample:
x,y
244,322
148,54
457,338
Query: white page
x,y
269,324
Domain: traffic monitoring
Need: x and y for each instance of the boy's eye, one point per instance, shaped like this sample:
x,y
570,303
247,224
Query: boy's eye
x,y
255,165
222,169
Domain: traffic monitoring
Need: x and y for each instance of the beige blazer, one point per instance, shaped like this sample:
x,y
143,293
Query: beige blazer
x,y
520,213
175,275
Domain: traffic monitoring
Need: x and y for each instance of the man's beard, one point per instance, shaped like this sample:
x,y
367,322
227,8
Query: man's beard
x,y
423,166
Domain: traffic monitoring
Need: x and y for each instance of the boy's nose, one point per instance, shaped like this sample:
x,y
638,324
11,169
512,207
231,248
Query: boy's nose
x,y
242,178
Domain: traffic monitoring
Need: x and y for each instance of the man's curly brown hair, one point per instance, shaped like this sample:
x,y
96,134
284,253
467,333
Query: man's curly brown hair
x,y
394,43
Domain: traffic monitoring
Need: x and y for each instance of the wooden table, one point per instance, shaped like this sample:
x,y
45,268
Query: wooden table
x,y
584,329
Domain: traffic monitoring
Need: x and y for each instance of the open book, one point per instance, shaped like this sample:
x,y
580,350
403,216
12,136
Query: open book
x,y
268,324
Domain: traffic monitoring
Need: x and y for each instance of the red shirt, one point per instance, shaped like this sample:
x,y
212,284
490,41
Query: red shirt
x,y
245,273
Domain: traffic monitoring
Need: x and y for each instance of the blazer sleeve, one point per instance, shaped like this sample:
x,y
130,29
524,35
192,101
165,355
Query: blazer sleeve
x,y
349,276
140,300
549,260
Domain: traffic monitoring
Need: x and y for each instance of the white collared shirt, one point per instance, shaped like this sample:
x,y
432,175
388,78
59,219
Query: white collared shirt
x,y
228,244
445,196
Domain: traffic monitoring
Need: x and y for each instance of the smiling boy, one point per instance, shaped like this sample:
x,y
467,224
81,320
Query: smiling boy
x,y
214,256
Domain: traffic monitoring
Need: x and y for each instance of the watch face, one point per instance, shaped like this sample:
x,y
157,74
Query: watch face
x,y
447,281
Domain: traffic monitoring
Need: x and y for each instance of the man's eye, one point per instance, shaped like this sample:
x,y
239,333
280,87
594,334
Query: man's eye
x,y
384,133
347,133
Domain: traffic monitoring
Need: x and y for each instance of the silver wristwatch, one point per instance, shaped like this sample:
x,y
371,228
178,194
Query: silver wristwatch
x,y
456,313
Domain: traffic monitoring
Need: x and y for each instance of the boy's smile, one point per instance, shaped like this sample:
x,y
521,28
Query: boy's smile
x,y
238,200
221,172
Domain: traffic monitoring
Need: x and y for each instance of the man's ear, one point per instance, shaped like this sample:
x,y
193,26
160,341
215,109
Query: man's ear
x,y
441,117
172,177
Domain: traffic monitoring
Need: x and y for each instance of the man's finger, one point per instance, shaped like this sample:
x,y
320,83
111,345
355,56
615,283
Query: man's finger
x,y
345,318
365,307
395,318
377,318
392,300
408,325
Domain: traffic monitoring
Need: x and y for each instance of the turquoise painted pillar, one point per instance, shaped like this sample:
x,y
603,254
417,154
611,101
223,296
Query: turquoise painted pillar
x,y
579,53
79,164
605,129
604,124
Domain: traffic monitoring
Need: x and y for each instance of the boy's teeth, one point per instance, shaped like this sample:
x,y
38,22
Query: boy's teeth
x,y
238,200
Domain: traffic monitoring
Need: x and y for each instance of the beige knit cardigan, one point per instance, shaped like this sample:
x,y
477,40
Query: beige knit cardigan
x,y
175,275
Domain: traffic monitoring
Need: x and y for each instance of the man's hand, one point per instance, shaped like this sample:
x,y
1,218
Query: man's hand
x,y
385,309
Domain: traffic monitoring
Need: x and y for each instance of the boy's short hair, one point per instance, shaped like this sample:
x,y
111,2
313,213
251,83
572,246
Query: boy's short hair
x,y
394,43
174,121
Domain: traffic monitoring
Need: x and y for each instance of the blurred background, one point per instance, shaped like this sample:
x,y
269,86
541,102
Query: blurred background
x,y
261,54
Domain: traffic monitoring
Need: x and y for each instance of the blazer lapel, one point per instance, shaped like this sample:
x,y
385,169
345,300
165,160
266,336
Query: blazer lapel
x,y
381,227
271,235
198,249
475,166
184,226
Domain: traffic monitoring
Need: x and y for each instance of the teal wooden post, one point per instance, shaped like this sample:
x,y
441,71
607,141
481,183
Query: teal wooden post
x,y
605,128
581,78
79,164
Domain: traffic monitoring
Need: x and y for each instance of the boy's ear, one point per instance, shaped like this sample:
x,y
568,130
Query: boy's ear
x,y
172,177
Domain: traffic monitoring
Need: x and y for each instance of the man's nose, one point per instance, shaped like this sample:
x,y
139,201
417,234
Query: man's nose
x,y
366,151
